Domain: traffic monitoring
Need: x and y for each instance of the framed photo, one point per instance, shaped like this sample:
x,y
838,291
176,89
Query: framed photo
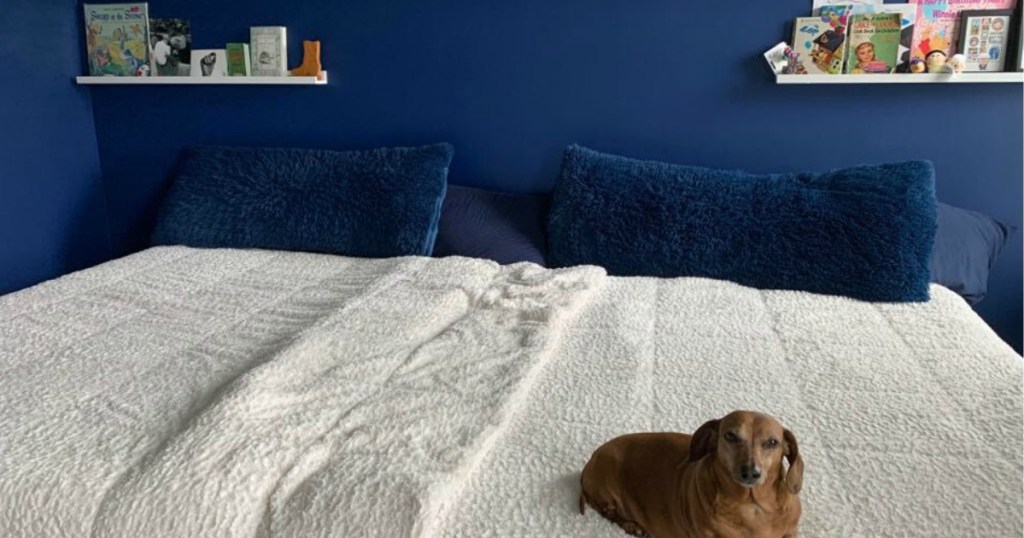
x,y
209,63
1020,39
985,39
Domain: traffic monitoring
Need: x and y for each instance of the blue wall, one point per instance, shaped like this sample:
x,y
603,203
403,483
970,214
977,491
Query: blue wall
x,y
511,83
52,209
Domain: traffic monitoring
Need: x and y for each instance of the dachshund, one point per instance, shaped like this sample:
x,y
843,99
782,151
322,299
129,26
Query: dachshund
x,y
727,480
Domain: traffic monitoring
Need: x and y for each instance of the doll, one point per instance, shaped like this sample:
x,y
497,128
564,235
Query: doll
x,y
936,61
957,64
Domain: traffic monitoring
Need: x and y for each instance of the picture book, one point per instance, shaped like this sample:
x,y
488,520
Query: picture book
x,y
269,50
984,39
238,59
908,18
874,43
170,47
820,7
819,42
937,26
117,39
209,63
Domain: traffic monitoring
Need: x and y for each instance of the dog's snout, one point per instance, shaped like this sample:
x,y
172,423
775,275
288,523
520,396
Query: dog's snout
x,y
750,473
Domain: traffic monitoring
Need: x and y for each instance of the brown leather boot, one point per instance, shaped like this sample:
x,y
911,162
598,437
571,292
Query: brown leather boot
x,y
310,60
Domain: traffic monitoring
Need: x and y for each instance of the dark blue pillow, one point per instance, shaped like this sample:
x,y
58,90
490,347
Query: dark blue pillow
x,y
503,227
966,247
376,203
864,232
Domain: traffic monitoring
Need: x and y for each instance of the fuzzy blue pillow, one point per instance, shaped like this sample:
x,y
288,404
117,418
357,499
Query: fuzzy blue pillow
x,y
864,232
376,203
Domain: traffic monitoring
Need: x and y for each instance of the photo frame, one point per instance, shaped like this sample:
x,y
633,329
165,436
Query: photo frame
x,y
984,39
1019,62
209,63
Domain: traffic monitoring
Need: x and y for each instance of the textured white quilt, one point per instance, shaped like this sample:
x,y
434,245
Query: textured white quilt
x,y
182,392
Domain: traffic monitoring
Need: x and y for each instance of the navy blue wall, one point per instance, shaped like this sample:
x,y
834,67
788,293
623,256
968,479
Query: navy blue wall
x,y
511,83
52,209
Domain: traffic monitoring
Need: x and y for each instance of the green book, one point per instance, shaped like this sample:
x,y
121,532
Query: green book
x,y
238,59
873,44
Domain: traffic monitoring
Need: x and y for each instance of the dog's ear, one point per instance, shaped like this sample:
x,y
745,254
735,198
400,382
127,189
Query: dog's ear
x,y
704,440
795,474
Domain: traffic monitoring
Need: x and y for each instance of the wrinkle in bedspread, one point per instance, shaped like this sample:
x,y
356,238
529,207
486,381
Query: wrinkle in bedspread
x,y
350,413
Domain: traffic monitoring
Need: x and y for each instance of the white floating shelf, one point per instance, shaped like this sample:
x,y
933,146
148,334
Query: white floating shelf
x,y
300,81
903,78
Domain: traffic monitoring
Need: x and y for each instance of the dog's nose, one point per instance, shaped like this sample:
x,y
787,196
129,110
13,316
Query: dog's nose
x,y
750,473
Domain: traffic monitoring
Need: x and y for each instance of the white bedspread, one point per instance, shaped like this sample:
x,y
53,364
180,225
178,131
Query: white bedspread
x,y
182,392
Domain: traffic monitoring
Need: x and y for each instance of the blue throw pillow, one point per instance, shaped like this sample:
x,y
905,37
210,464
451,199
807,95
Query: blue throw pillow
x,y
376,203
864,232
966,247
503,227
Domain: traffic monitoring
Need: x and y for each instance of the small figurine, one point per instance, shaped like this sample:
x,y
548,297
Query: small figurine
x,y
310,60
958,63
917,65
793,65
936,61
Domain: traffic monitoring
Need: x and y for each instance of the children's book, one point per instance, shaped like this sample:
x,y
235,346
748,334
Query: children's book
x,y
819,42
117,39
820,7
170,47
874,44
269,50
938,23
238,59
908,17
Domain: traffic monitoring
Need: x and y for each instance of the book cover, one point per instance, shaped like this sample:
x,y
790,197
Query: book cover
x,y
937,26
238,59
839,14
819,42
819,7
170,47
268,47
117,39
874,43
209,63
908,18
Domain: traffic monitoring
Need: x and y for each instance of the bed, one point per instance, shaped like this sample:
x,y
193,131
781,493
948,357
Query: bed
x,y
237,392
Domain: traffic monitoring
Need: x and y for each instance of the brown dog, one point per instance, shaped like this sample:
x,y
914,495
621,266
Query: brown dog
x,y
726,480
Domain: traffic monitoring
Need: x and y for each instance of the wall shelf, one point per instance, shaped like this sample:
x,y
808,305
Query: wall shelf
x,y
300,81
902,78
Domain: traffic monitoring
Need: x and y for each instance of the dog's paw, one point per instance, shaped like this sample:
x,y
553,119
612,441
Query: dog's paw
x,y
633,529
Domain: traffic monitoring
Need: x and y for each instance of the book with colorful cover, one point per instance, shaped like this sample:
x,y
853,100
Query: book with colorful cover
x,y
238,59
821,7
938,23
874,44
908,18
820,43
117,39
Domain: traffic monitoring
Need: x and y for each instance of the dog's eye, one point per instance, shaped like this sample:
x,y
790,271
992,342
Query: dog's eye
x,y
771,443
730,437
